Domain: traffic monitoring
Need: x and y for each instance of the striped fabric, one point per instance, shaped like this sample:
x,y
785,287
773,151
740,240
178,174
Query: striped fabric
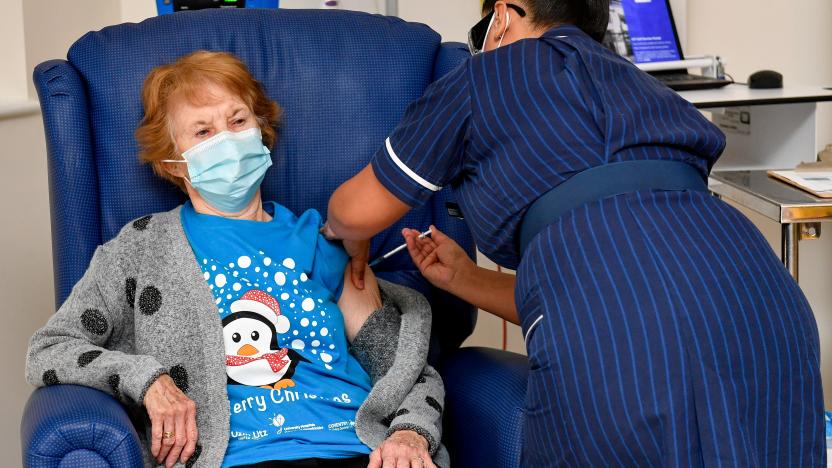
x,y
661,329
509,125
670,336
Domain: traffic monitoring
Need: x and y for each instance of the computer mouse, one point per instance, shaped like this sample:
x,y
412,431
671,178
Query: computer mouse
x,y
765,79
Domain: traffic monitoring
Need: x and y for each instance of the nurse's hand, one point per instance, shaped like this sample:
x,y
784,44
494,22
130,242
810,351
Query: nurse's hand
x,y
440,259
359,252
443,262
403,449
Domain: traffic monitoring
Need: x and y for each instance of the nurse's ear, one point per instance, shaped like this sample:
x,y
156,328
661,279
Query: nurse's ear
x,y
500,25
511,24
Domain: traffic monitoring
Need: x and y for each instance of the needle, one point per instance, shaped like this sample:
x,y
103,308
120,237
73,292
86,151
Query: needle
x,y
396,250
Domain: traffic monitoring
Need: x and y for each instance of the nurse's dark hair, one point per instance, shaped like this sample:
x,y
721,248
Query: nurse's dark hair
x,y
591,16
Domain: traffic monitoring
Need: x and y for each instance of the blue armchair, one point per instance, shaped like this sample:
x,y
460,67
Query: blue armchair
x,y
344,80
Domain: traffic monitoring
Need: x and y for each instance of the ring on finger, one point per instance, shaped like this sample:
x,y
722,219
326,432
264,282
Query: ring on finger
x,y
168,435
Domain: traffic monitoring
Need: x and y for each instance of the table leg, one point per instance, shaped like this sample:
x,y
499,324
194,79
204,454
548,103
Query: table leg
x,y
790,235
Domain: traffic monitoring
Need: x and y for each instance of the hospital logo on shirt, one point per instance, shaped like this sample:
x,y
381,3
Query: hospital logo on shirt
x,y
341,426
277,421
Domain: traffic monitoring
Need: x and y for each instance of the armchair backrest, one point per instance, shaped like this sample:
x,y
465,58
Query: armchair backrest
x,y
343,79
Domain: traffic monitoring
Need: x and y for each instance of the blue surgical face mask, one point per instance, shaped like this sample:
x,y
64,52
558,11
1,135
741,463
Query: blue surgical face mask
x,y
227,168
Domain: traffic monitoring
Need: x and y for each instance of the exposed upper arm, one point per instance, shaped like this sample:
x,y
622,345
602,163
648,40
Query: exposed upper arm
x,y
357,305
362,207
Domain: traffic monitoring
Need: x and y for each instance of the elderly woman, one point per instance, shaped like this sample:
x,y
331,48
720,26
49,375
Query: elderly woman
x,y
232,321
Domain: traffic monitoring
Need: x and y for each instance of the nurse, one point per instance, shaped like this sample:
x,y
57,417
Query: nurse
x,y
660,327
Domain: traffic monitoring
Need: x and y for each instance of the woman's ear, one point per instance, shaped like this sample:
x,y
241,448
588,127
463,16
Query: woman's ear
x,y
178,170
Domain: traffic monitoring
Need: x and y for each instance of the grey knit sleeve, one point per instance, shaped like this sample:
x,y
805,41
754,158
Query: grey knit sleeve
x,y
376,343
421,410
392,346
89,340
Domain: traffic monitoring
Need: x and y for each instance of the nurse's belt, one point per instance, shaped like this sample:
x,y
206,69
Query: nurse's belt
x,y
608,180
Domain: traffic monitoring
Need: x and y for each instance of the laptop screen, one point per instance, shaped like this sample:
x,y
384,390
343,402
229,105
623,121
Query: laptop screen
x,y
643,31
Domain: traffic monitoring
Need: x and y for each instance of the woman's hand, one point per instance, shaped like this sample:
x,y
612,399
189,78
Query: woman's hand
x,y
403,449
173,419
440,259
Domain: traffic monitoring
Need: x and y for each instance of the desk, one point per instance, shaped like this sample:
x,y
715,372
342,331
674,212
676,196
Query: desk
x,y
794,209
783,130
741,95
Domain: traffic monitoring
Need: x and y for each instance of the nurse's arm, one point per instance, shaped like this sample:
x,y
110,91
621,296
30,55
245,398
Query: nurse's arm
x,y
489,290
447,266
358,210
362,207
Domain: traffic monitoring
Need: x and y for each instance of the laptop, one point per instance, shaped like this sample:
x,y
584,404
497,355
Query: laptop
x,y
643,31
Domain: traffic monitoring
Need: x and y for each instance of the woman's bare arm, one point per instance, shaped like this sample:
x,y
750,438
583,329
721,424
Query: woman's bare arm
x,y
358,304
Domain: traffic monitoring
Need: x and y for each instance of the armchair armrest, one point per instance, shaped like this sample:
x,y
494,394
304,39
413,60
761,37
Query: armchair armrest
x,y
484,401
71,425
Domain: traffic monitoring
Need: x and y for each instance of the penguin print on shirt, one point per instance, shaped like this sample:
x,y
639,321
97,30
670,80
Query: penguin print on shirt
x,y
252,355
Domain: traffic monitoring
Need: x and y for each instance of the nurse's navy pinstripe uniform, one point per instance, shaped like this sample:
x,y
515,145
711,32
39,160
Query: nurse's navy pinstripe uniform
x,y
661,329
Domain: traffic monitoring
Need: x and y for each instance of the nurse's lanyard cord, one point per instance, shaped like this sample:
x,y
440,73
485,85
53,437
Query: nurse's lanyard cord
x,y
396,250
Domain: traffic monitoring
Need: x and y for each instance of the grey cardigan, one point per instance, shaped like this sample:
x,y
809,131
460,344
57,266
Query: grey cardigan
x,y
143,309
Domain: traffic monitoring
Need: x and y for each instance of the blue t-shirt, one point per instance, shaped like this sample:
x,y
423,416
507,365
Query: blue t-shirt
x,y
293,387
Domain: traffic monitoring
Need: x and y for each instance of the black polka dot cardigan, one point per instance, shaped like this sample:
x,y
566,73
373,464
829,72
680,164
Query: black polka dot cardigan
x,y
143,309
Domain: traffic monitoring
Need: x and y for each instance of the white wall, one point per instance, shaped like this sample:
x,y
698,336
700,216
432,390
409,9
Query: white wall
x,y
51,27
133,11
13,78
26,276
370,6
453,21
794,38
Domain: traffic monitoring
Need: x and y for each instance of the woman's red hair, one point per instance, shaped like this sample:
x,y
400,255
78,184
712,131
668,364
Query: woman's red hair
x,y
186,79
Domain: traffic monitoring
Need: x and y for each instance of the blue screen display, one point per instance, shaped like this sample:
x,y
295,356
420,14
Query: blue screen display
x,y
642,31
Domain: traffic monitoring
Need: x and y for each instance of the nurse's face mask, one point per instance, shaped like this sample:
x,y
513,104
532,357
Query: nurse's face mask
x,y
227,168
479,33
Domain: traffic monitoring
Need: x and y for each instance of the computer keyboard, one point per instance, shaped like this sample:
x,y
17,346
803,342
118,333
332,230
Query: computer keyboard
x,y
680,77
687,82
